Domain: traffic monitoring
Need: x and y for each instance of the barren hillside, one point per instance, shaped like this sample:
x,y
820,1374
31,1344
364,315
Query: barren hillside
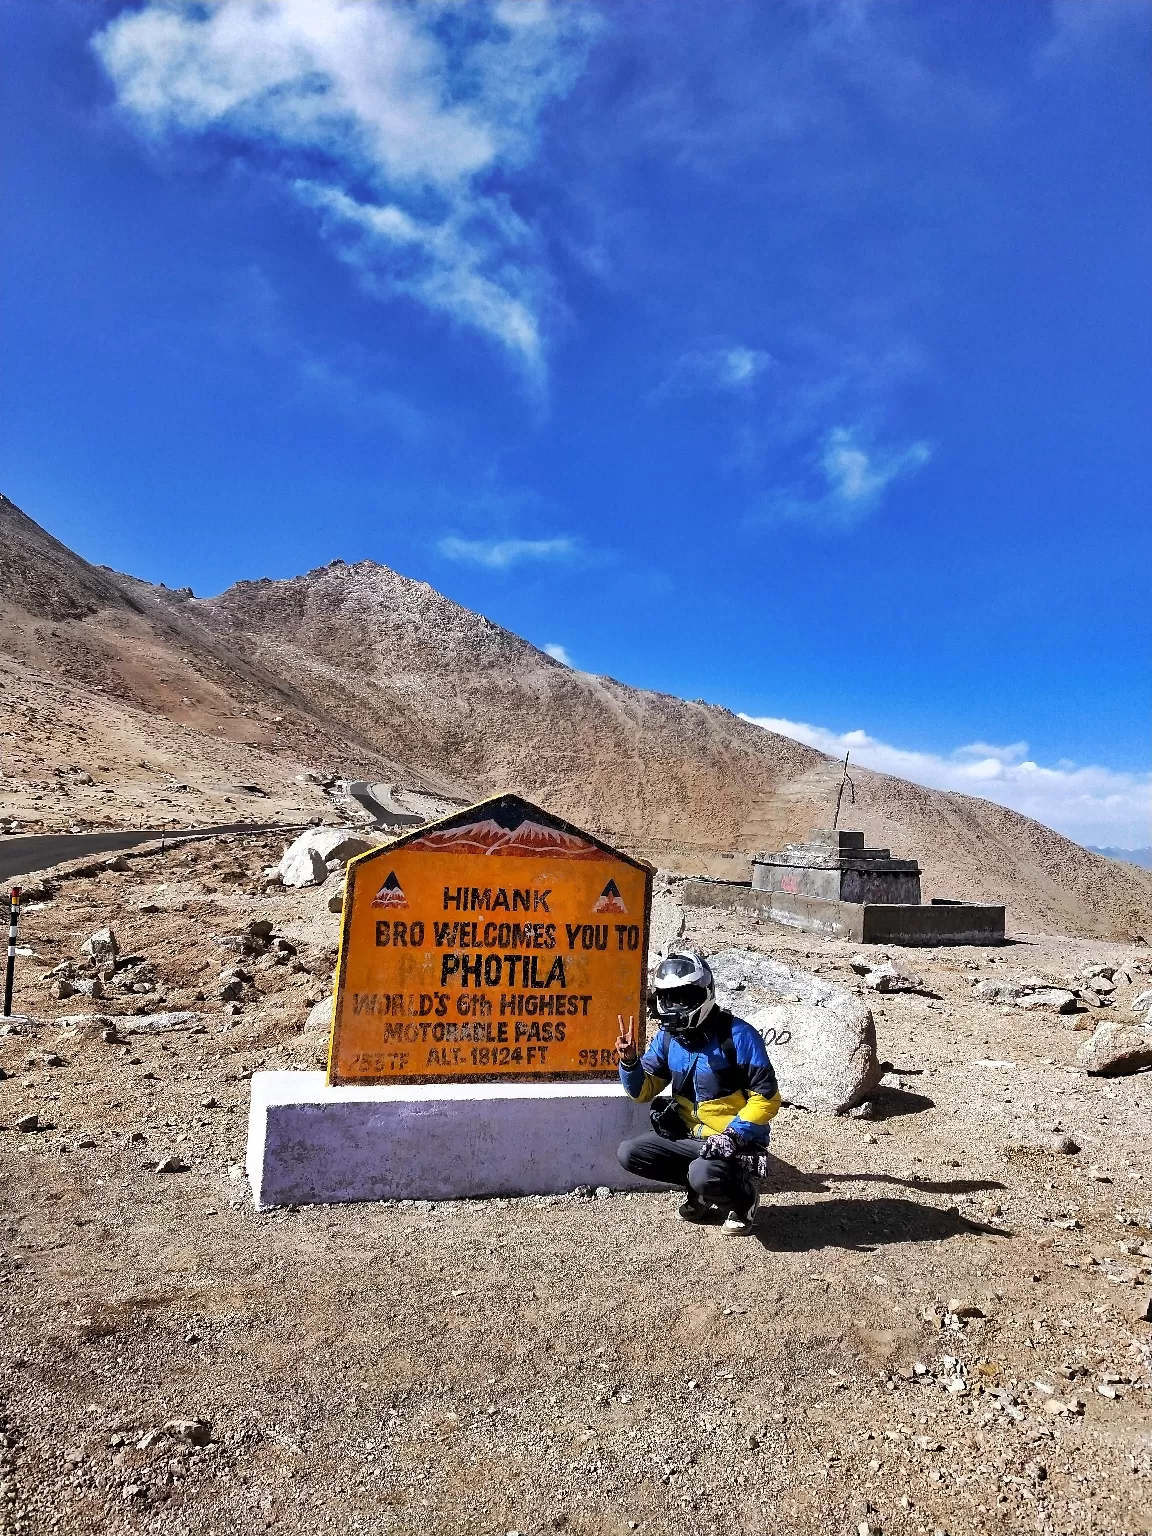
x,y
358,669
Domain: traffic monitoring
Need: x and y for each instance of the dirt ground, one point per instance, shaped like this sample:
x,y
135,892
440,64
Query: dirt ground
x,y
572,1363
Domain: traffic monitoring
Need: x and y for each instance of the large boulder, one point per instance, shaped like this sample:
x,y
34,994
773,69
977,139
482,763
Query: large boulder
x,y
821,1038
306,861
1117,1049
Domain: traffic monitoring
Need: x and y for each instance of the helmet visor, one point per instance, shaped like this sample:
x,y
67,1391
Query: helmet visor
x,y
677,1001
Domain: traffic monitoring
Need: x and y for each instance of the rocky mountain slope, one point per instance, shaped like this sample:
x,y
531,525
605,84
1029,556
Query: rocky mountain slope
x,y
359,670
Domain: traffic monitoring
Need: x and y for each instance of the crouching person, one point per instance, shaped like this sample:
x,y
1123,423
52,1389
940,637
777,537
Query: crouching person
x,y
712,1136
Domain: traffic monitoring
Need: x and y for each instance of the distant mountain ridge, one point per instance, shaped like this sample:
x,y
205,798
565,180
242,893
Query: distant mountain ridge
x,y
1141,857
358,670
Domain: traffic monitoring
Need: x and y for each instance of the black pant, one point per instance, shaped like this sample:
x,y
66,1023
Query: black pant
x,y
719,1180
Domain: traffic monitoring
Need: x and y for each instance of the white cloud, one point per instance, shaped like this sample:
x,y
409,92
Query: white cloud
x,y
1085,33
558,653
1089,804
500,554
855,475
392,120
733,368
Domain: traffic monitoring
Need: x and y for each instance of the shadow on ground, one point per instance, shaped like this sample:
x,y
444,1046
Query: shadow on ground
x,y
860,1225
784,1178
887,1103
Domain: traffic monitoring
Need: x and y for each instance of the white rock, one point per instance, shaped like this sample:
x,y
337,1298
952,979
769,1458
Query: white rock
x,y
822,1039
1142,1000
1048,1000
1117,1049
307,861
161,1023
101,945
998,991
887,978
320,1016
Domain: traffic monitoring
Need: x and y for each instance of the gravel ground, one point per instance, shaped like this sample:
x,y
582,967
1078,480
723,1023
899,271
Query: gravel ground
x,y
589,1365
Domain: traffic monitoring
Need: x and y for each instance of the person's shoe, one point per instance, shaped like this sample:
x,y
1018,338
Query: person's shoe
x,y
695,1209
740,1223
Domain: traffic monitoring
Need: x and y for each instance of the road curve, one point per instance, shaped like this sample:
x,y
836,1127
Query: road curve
x,y
22,855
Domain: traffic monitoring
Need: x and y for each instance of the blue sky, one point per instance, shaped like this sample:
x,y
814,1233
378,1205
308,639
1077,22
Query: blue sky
x,y
792,356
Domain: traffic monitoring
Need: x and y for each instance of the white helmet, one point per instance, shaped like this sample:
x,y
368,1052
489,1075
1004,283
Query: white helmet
x,y
685,991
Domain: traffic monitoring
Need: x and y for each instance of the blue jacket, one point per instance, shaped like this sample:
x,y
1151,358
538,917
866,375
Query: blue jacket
x,y
726,1085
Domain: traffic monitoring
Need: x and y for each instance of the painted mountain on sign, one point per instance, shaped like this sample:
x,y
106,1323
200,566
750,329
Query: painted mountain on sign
x,y
610,899
530,839
390,894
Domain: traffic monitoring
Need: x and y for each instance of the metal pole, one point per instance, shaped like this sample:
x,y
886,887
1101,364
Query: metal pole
x,y
13,924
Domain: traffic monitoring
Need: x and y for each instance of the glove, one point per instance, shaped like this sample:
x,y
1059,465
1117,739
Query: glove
x,y
722,1144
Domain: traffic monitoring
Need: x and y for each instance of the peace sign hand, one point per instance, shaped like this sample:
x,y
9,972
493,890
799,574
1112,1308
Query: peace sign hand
x,y
626,1041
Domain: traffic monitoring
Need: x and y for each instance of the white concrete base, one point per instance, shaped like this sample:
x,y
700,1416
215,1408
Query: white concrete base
x,y
309,1144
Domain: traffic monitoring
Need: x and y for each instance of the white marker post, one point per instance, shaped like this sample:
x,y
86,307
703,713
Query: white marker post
x,y
13,924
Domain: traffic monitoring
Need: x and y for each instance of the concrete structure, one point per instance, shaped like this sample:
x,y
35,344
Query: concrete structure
x,y
832,884
310,1144
836,866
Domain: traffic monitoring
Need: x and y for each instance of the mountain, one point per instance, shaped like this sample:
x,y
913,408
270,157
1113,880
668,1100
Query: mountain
x,y
1142,857
190,707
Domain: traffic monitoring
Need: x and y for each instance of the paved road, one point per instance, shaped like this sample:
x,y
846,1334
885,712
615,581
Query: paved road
x,y
376,799
22,855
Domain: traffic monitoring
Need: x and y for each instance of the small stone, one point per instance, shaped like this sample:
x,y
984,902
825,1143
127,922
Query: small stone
x,y
997,991
209,1103
869,1110
172,1164
101,946
61,988
132,1491
1048,1000
887,978
28,1123
603,1192
52,1060
194,1431
965,1309
148,1440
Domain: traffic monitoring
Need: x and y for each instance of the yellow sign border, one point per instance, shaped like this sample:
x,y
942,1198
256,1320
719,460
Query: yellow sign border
x,y
463,817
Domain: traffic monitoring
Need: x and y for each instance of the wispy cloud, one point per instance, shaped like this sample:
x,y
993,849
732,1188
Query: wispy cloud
x,y
558,653
501,554
1090,804
733,368
393,121
850,476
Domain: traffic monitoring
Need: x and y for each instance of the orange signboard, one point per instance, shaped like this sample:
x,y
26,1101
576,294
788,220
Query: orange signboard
x,y
497,944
